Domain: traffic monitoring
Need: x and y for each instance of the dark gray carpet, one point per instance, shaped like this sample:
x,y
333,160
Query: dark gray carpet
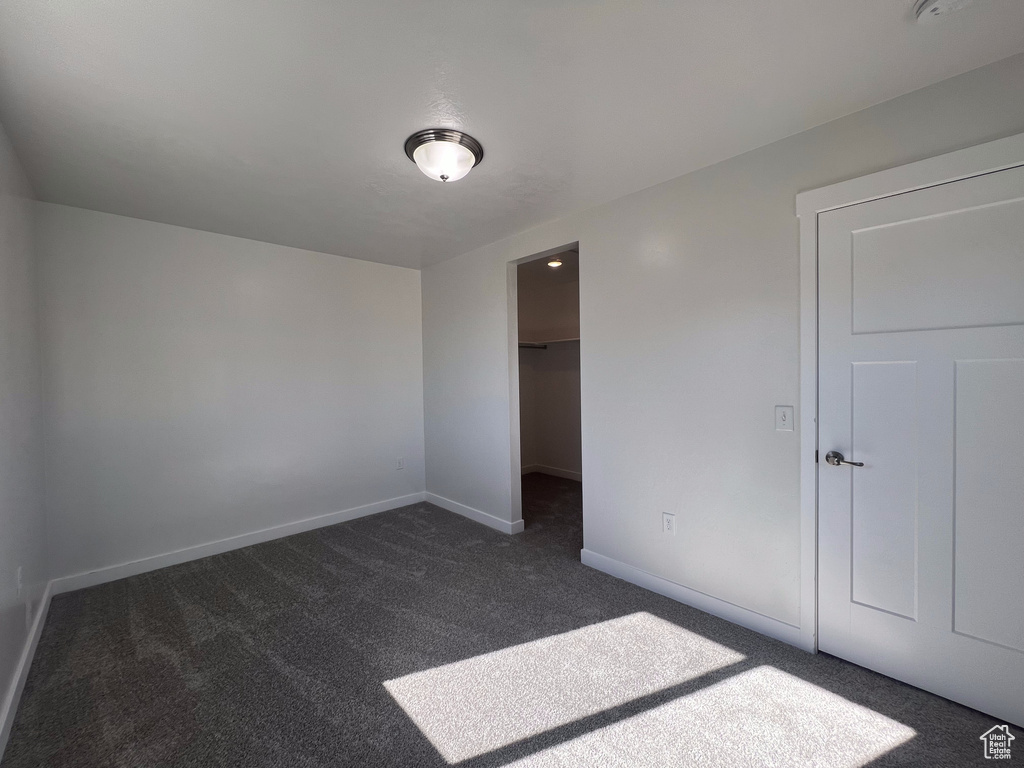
x,y
310,650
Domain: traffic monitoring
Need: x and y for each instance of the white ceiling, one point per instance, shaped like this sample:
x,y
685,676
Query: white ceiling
x,y
283,120
537,273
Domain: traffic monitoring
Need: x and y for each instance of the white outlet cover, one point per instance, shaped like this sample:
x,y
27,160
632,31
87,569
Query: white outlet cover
x,y
668,524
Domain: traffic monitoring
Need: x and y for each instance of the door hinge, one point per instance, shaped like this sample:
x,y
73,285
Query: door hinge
x,y
815,457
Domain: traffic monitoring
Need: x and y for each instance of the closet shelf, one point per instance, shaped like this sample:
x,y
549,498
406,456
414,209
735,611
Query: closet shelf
x,y
543,344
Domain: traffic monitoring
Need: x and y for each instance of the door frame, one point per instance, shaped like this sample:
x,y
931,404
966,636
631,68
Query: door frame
x,y
990,157
515,441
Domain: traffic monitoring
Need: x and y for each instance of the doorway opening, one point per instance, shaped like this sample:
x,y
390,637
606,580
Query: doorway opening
x,y
551,460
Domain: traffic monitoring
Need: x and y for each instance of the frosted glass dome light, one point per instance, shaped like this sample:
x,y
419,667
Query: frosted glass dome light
x,y
444,161
442,154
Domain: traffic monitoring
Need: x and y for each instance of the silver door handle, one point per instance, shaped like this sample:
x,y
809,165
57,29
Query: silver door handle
x,y
835,458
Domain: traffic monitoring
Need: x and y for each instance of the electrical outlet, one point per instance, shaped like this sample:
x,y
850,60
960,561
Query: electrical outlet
x,y
668,524
399,463
18,577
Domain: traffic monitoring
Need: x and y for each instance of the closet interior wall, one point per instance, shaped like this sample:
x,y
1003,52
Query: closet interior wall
x,y
549,366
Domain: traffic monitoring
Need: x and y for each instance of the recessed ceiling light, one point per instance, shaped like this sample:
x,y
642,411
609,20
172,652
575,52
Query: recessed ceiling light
x,y
555,262
443,154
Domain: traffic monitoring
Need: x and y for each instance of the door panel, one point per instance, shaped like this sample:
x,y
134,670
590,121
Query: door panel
x,y
884,504
989,500
899,285
921,378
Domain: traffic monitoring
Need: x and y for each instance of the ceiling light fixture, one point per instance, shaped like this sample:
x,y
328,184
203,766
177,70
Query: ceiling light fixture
x,y
443,154
555,262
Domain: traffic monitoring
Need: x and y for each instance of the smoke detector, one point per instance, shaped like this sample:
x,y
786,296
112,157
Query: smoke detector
x,y
933,10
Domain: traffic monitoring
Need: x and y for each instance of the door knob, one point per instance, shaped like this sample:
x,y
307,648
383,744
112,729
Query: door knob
x,y
835,458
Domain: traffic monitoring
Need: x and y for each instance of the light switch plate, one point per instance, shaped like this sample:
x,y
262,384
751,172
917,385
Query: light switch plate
x,y
783,418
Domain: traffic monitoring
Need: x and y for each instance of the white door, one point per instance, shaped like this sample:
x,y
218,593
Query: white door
x,y
921,378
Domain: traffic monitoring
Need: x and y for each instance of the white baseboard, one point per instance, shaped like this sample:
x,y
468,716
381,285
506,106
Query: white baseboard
x,y
758,622
568,474
9,707
115,572
475,514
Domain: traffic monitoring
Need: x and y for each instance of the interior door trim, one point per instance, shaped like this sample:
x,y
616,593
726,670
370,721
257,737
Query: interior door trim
x,y
985,158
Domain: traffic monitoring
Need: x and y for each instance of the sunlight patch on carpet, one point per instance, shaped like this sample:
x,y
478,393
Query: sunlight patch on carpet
x,y
760,717
487,702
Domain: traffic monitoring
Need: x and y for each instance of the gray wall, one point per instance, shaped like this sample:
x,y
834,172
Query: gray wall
x,y
689,323
200,387
22,527
548,302
549,407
